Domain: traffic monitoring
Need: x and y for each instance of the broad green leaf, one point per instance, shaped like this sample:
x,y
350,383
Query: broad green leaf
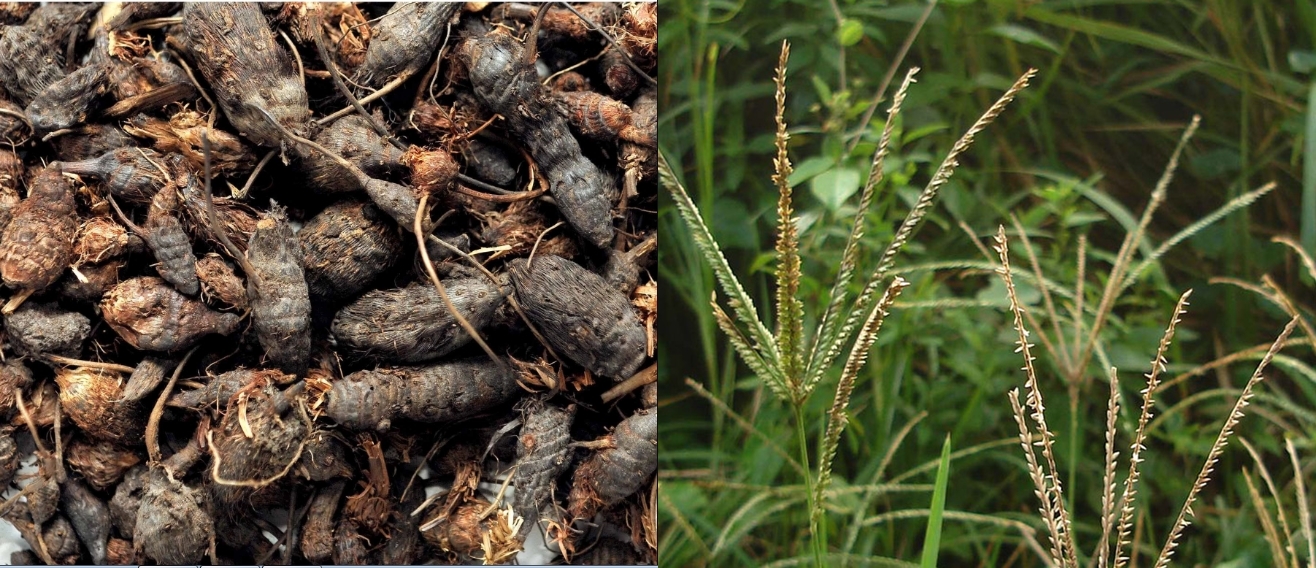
x,y
810,167
834,186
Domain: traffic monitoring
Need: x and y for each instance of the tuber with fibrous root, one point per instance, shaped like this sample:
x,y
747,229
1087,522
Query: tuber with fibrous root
x,y
181,135
151,315
347,247
130,173
100,462
580,315
37,245
91,397
404,40
164,234
442,392
506,84
173,524
542,452
413,324
625,462
217,392
67,102
351,138
248,71
260,438
220,285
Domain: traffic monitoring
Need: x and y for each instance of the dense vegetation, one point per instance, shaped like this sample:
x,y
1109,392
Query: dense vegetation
x,y
1071,165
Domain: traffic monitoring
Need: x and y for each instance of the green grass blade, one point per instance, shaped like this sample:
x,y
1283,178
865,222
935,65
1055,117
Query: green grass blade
x,y
932,541
1309,177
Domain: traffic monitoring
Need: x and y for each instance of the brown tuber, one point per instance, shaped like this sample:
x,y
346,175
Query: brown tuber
x,y
443,392
151,315
90,397
413,324
277,291
36,329
38,242
347,247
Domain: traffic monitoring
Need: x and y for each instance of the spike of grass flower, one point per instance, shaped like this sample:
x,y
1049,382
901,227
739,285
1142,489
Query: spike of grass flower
x,y
780,360
1046,479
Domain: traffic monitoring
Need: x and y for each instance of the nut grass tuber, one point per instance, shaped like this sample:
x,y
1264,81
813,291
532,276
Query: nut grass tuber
x,y
413,324
347,247
45,328
38,242
223,387
67,102
353,139
443,392
541,455
220,284
172,526
89,516
506,84
277,292
247,70
100,239
30,62
404,40
164,235
318,531
91,398
256,443
151,315
625,464
580,315
102,463
148,375
126,172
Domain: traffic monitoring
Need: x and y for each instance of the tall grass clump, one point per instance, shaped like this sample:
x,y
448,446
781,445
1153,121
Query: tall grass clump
x,y
790,363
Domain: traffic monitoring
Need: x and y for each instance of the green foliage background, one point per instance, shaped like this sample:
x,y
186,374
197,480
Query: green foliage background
x,y
1077,154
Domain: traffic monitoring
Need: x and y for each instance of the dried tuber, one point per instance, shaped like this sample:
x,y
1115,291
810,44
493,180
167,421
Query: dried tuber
x,y
45,328
89,516
443,392
126,172
276,289
347,247
248,71
583,317
507,84
38,242
404,40
151,315
541,454
626,463
413,324
91,397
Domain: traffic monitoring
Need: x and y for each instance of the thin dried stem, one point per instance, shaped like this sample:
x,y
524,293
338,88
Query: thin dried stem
x,y
790,310
1172,541
1062,527
836,417
1108,481
1061,348
1131,242
1274,492
1304,510
1126,507
438,285
153,421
